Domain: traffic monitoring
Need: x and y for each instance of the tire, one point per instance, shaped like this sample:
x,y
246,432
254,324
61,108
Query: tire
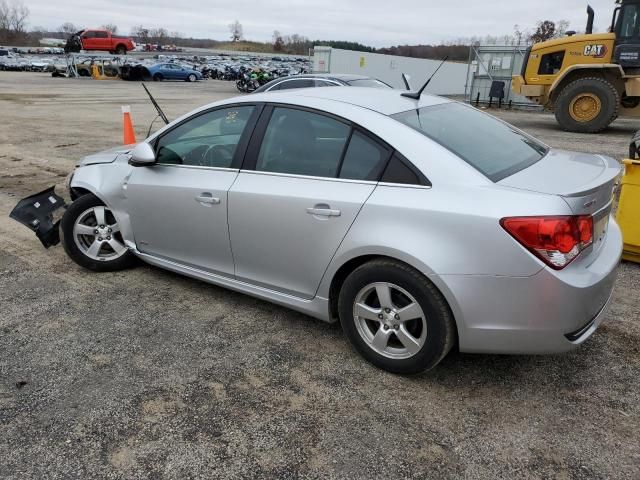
x,y
121,50
192,78
596,91
431,332
158,77
83,212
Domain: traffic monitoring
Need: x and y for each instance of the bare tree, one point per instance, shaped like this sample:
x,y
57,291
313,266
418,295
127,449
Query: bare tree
x,y
141,33
18,14
68,29
13,21
111,27
236,31
545,30
561,28
278,41
158,35
5,13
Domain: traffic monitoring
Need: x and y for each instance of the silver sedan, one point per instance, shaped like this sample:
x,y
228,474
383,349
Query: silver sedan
x,y
420,225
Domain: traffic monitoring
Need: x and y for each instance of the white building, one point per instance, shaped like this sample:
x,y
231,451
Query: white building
x,y
450,80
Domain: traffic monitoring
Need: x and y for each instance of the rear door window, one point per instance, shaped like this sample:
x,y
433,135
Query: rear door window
x,y
302,143
492,147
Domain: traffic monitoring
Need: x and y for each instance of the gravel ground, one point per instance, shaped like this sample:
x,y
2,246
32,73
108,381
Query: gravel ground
x,y
146,374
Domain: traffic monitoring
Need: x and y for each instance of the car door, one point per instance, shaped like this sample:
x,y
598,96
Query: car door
x,y
178,206
292,205
168,72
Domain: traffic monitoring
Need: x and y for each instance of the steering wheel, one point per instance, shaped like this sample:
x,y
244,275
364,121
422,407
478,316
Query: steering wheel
x,y
195,156
218,156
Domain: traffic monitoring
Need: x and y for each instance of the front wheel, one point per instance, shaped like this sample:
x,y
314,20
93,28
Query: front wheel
x,y
395,318
91,236
121,50
158,77
192,77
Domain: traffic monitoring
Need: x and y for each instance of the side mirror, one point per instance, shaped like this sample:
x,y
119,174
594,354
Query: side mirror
x,y
142,155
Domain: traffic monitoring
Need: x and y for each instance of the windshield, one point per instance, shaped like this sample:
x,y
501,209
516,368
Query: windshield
x,y
492,147
368,82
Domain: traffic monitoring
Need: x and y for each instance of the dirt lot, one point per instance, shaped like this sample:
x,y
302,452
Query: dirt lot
x,y
145,374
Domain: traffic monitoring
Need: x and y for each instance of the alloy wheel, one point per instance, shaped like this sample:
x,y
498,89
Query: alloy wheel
x,y
97,234
390,320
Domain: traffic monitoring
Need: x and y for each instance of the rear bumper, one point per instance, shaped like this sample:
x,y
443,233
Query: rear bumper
x,y
549,312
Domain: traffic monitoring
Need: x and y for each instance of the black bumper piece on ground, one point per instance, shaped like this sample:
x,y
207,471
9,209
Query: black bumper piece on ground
x,y
37,213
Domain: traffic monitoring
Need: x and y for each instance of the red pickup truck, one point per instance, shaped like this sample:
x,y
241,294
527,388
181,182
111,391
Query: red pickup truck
x,y
99,39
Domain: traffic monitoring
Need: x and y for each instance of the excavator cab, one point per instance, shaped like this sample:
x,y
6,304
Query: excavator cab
x,y
626,26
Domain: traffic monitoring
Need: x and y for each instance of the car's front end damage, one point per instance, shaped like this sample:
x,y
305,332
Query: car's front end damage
x,y
41,212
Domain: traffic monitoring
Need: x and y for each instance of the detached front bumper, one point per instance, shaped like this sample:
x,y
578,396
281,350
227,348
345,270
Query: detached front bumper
x,y
550,312
41,213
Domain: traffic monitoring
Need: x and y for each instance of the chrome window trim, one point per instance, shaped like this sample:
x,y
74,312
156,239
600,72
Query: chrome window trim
x,y
300,79
310,177
405,185
197,167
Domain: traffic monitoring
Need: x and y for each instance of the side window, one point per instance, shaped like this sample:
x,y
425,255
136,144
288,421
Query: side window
x,y
302,143
102,35
89,35
629,26
551,63
364,159
325,83
275,87
208,140
398,171
302,83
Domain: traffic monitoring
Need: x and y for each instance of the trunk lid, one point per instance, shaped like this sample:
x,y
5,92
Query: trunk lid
x,y
585,181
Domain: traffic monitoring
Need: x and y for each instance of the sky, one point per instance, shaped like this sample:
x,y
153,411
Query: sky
x,y
373,22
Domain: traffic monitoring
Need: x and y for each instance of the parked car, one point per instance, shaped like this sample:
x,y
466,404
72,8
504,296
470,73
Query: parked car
x,y
321,80
99,39
422,225
173,71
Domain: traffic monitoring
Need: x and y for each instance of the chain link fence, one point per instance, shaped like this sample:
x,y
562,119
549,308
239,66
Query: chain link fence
x,y
488,66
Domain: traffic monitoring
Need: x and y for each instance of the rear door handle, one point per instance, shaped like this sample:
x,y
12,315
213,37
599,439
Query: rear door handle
x,y
208,199
323,211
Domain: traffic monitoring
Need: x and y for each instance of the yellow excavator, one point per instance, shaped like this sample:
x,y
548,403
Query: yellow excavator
x,y
587,80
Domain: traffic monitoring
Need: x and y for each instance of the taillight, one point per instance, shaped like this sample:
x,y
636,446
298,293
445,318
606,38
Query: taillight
x,y
555,240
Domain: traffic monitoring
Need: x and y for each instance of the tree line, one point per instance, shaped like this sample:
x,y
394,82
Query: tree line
x,y
14,17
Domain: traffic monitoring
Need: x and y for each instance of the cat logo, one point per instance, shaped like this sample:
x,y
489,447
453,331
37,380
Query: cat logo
x,y
597,51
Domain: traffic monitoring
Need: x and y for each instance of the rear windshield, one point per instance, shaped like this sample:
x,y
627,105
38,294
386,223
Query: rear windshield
x,y
368,82
494,148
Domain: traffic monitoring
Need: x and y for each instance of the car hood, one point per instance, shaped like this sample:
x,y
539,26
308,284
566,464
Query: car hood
x,y
106,156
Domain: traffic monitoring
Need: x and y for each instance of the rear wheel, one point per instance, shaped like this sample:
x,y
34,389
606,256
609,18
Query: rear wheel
x,y
91,236
395,317
587,105
158,77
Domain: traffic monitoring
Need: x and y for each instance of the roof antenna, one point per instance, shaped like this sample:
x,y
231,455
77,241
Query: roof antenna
x,y
405,79
416,95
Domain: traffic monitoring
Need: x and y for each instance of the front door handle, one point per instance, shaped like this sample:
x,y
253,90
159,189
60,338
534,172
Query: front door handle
x,y
323,211
208,199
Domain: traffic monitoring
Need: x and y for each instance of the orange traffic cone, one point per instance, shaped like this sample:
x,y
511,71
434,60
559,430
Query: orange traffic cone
x,y
129,136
